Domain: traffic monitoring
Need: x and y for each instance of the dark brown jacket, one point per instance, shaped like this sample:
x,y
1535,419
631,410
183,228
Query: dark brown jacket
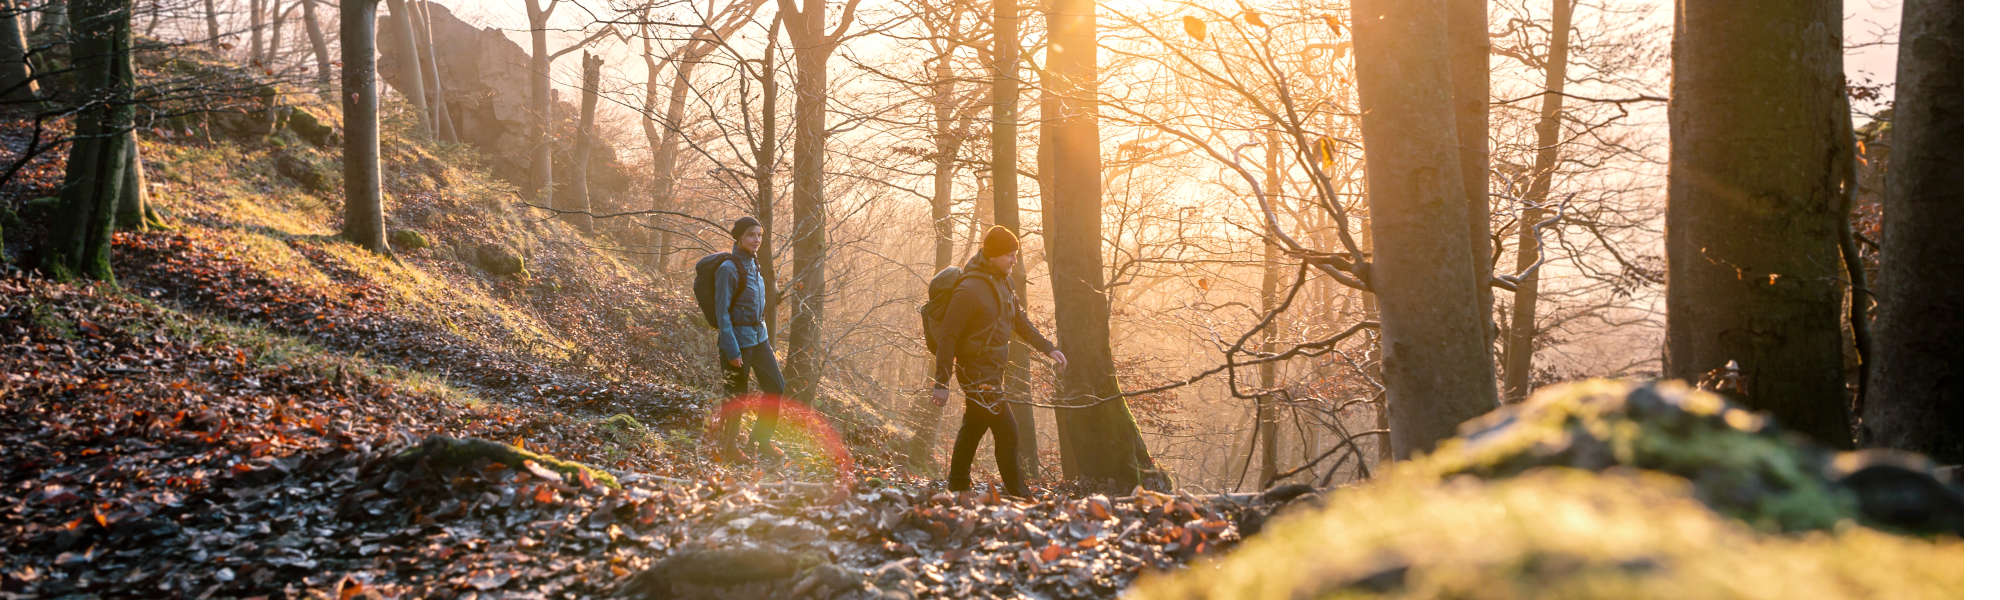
x,y
982,318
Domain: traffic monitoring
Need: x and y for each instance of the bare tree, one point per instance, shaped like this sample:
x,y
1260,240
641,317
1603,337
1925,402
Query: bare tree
x,y
805,22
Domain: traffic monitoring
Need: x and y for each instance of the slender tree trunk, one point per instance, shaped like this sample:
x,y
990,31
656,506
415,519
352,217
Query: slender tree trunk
x,y
55,18
586,131
1112,450
1753,204
214,25
1007,211
17,81
1267,373
256,30
767,172
1437,365
943,168
809,245
542,174
409,68
361,152
277,34
440,112
1465,24
79,239
1548,143
1916,388
667,153
321,57
1385,447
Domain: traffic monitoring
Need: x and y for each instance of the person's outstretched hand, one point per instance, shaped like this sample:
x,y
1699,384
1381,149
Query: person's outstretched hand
x,y
939,395
1062,362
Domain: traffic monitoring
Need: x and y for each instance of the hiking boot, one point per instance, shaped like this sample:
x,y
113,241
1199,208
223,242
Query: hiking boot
x,y
731,456
770,454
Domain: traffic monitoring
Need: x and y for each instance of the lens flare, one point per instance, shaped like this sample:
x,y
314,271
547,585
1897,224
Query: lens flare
x,y
808,437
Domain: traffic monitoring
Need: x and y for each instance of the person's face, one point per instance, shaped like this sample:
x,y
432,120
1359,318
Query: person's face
x,y
1004,262
751,240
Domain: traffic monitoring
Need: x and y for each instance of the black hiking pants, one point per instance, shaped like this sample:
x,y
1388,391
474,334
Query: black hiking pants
x,y
978,420
736,382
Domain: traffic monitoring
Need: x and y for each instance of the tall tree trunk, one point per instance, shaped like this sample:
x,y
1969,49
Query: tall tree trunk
x,y
1753,203
256,31
1007,212
321,58
1371,310
1916,388
361,151
17,81
1465,25
277,42
55,18
667,153
1111,449
586,131
214,21
541,173
440,112
1520,351
408,67
1437,365
1267,373
767,172
808,301
943,168
79,238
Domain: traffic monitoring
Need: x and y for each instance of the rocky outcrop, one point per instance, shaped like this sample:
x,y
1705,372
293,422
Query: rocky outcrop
x,y
486,95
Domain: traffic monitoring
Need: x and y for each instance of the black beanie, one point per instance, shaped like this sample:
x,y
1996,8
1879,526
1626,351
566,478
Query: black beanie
x,y
999,242
742,225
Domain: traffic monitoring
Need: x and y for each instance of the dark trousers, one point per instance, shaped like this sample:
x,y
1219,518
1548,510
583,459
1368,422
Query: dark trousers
x,y
977,421
736,382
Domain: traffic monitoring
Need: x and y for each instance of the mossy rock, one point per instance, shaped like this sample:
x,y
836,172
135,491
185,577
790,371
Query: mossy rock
x,y
309,128
471,452
302,170
1555,533
1741,462
37,212
499,260
408,239
749,571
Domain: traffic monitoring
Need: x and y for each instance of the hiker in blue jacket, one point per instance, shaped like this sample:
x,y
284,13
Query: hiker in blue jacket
x,y
743,341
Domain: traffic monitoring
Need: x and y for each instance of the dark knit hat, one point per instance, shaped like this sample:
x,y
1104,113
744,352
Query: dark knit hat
x,y
999,242
743,225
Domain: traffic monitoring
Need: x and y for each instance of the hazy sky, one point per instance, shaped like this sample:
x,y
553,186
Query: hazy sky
x,y
1870,30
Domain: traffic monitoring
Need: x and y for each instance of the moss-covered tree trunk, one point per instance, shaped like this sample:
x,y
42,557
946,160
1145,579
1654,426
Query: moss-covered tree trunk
x,y
1520,344
1437,364
1916,387
1102,440
17,82
79,239
1753,206
361,151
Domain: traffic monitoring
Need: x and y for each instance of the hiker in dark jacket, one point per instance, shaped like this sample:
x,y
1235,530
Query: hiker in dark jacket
x,y
982,317
744,343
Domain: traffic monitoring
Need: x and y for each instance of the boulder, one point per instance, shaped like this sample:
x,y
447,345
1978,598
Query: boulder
x,y
498,260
